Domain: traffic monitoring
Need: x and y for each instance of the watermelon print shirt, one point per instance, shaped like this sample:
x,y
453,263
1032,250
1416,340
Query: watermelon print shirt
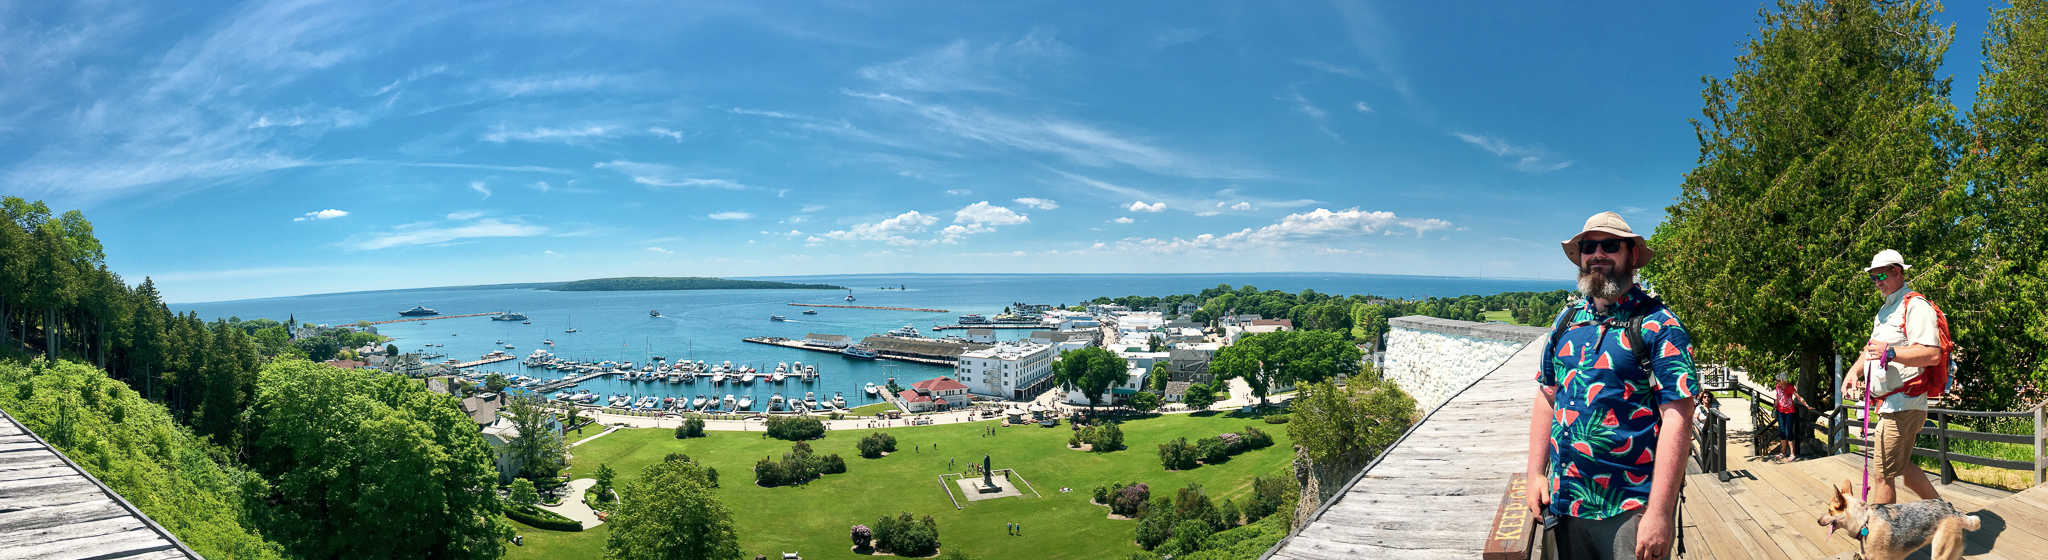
x,y
1603,437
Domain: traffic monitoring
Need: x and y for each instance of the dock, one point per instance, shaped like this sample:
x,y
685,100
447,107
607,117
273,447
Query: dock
x,y
993,326
892,351
484,361
51,508
412,319
878,307
560,384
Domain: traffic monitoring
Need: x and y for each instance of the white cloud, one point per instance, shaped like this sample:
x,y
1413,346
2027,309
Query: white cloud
x,y
1180,203
985,213
1167,38
1123,220
1361,106
549,252
660,175
1240,206
1304,106
675,135
465,215
660,250
545,134
809,208
1528,159
1141,206
1039,203
547,85
959,66
1327,68
1316,228
542,186
761,113
1078,142
893,230
478,186
425,234
327,214
730,216
959,192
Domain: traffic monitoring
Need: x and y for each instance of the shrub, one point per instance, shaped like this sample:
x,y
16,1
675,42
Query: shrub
x,y
1190,503
1212,450
876,444
690,428
1177,455
542,519
862,537
1255,438
1157,523
1074,441
795,429
1269,495
1229,514
904,536
1144,401
798,466
523,493
1107,438
1102,495
831,464
1276,419
1130,500
1187,537
1349,425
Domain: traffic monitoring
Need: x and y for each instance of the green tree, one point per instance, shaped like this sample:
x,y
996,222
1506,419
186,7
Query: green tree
x,y
2000,297
1832,139
1092,370
1199,396
496,382
604,475
410,469
1270,360
671,511
1347,426
523,494
1144,401
390,350
538,449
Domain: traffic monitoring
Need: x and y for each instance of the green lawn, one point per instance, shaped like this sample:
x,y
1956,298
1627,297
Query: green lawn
x,y
1501,315
813,519
871,410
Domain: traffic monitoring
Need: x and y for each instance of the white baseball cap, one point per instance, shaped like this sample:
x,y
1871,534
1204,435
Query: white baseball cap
x,y
1886,258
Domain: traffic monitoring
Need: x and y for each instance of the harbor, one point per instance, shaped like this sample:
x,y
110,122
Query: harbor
x,y
933,352
995,326
488,359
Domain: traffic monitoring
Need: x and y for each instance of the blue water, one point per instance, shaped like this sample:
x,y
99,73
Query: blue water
x,y
707,325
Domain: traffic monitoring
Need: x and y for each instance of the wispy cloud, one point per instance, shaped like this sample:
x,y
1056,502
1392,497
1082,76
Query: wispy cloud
x,y
662,175
1302,105
1527,159
1039,203
556,84
1317,228
660,250
478,186
961,66
959,192
327,214
809,208
1328,68
1178,202
1141,206
430,234
1081,143
1361,106
1176,36
546,134
1123,220
671,134
732,215
465,215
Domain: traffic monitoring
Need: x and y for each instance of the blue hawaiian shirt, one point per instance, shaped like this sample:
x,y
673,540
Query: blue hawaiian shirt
x,y
1603,436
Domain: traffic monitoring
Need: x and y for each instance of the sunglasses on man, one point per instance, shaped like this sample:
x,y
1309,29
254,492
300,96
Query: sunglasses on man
x,y
1879,277
1609,245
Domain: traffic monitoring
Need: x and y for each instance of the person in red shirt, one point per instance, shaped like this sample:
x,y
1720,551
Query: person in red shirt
x,y
1788,419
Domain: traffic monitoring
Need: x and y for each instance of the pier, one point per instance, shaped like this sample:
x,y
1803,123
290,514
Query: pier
x,y
879,307
892,352
1013,326
483,361
560,384
412,319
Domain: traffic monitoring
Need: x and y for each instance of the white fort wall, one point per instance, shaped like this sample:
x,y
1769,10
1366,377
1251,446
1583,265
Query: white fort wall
x,y
1432,359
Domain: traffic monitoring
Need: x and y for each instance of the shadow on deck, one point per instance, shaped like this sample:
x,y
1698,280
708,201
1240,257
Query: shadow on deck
x,y
1768,511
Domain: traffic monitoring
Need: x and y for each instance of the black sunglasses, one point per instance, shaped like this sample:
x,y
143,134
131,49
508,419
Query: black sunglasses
x,y
1608,245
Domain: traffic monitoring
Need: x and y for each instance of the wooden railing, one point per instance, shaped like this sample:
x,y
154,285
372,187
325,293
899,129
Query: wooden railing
x,y
1711,449
1938,426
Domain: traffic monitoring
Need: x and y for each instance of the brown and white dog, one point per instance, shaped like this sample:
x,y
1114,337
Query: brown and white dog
x,y
1890,531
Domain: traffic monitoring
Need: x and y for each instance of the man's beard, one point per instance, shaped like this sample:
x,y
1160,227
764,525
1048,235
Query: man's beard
x,y
1609,286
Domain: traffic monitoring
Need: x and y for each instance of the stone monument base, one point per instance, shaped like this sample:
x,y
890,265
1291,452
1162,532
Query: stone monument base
x,y
976,492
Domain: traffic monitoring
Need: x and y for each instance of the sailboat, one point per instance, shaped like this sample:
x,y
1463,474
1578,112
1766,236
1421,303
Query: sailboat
x,y
572,325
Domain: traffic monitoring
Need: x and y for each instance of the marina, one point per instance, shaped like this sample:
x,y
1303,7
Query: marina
x,y
995,326
488,359
936,352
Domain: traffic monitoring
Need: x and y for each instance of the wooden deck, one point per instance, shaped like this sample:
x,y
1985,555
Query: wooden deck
x,y
51,509
1434,494
1768,511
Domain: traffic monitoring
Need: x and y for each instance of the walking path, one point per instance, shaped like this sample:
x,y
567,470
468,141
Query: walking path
x,y
572,505
599,435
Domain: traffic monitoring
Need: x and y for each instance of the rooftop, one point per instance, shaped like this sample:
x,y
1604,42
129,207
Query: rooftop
x,y
1010,350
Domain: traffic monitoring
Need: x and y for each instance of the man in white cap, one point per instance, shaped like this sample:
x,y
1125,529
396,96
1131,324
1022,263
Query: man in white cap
x,y
1903,338
1609,430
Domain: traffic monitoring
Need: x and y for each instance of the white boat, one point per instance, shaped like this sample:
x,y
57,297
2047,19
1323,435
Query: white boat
x,y
718,378
729,402
747,377
838,400
775,402
746,402
873,390
810,400
675,376
697,403
778,376
906,331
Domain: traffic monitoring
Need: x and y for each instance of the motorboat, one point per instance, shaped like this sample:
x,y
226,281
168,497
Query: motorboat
x,y
858,353
905,331
508,316
778,377
668,402
810,400
654,313
746,402
718,377
775,402
697,403
777,318
838,400
729,403
849,295
747,377
810,312
872,390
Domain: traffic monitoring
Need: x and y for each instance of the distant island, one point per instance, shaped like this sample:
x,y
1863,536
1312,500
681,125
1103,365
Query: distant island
x,y
643,283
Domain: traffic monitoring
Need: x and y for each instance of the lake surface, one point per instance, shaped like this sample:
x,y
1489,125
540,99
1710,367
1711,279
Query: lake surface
x,y
707,325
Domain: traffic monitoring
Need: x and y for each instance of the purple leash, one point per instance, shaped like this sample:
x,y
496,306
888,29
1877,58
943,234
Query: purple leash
x,y
1869,441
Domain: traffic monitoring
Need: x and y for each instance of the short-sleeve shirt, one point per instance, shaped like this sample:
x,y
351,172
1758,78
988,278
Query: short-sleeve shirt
x,y
1891,326
1785,398
1603,434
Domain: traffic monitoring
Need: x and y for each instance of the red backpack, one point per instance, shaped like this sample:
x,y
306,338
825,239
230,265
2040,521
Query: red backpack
x,y
1933,380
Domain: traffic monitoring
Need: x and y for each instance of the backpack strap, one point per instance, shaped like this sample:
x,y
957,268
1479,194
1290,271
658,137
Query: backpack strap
x,y
1557,329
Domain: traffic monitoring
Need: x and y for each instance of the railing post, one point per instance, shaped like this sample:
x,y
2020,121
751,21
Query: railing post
x,y
1838,426
2040,433
1948,470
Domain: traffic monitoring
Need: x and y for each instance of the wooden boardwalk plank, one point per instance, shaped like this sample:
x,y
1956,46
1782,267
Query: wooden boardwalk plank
x,y
50,509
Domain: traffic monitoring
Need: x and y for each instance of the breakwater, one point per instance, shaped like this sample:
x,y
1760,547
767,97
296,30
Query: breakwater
x,y
876,307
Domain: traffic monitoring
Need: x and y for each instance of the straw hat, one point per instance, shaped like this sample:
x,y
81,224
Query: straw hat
x,y
1886,258
1610,223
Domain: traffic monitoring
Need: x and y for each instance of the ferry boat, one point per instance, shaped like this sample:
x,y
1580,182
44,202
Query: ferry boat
x,y
973,320
810,312
508,316
858,353
777,318
905,331
418,311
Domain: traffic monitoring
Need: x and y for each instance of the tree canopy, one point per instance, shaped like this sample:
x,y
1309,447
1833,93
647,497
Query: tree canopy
x,y
1092,370
1269,360
671,512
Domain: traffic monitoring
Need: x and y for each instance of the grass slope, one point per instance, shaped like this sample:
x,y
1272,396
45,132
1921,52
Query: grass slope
x,y
813,519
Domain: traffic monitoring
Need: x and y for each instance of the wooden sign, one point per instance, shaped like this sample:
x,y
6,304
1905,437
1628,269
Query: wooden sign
x,y
1515,528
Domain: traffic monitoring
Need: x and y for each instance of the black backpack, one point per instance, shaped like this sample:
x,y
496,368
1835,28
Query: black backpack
x,y
1632,329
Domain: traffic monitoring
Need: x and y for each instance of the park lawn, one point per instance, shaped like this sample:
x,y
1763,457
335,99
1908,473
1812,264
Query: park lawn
x,y
1500,315
813,519
871,409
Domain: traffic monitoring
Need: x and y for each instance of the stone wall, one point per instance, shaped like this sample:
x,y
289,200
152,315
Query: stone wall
x,y
1432,359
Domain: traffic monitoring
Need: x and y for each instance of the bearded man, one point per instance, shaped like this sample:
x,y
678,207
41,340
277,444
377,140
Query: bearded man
x,y
1610,428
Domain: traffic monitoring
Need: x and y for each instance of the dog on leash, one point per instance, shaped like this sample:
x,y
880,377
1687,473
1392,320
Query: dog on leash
x,y
1891,531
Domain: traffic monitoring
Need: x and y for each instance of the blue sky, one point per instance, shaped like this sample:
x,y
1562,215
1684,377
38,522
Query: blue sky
x,y
235,151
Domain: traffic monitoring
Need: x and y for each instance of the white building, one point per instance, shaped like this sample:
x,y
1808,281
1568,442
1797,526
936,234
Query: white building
x,y
1010,370
983,336
1134,381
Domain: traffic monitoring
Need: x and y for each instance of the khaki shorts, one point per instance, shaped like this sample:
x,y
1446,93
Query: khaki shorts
x,y
1896,432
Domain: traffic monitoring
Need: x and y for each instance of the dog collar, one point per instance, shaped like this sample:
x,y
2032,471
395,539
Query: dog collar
x,y
1864,532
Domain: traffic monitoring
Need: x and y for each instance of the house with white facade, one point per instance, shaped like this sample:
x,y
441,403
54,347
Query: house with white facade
x,y
499,434
1017,370
1134,381
934,394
